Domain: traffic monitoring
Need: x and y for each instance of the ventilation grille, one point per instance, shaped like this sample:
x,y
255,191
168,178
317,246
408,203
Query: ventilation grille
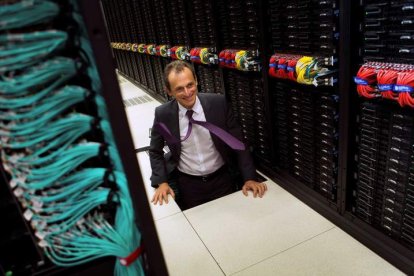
x,y
137,100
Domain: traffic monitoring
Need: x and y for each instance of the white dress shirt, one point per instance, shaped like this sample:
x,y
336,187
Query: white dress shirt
x,y
198,156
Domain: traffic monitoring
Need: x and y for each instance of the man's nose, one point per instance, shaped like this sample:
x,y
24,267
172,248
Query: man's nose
x,y
187,91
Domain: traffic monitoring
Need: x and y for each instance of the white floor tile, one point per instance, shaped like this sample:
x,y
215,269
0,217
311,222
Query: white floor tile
x,y
331,253
184,252
158,211
140,120
241,231
140,108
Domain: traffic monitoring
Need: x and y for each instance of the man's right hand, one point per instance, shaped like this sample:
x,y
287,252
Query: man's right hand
x,y
161,193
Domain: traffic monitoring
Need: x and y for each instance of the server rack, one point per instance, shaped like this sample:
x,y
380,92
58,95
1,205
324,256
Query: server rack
x,y
24,255
327,127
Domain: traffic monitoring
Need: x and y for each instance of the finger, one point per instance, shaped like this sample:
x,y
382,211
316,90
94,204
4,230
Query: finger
x,y
261,190
166,197
156,198
172,193
255,191
162,198
159,196
244,189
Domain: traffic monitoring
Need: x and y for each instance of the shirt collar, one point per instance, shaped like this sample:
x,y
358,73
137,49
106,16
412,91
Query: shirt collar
x,y
197,108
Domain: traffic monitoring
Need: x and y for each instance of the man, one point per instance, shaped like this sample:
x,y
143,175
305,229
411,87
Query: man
x,y
198,158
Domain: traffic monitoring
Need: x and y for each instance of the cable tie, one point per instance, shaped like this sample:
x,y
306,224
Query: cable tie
x,y
43,244
385,87
18,192
132,257
360,81
403,88
28,214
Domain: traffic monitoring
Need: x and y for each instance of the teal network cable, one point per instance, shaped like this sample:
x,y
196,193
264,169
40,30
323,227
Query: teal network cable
x,y
26,13
32,79
58,103
20,50
72,124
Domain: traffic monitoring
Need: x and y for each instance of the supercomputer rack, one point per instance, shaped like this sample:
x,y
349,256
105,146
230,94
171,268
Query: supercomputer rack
x,y
381,187
31,244
305,117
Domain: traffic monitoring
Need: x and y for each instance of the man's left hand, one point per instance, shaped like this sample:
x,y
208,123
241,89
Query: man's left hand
x,y
257,188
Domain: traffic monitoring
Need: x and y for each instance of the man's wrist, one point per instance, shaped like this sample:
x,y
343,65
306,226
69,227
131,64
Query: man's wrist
x,y
163,184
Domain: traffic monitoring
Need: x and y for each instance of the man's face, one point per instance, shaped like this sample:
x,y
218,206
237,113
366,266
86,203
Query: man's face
x,y
183,87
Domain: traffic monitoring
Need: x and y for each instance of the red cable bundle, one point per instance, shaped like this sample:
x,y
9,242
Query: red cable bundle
x,y
273,66
222,58
281,71
195,55
173,52
226,58
405,87
291,68
365,79
386,79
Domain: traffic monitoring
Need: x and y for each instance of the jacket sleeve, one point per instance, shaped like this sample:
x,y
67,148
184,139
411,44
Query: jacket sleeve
x,y
244,159
156,154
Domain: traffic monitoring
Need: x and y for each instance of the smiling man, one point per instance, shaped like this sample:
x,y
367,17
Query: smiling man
x,y
204,140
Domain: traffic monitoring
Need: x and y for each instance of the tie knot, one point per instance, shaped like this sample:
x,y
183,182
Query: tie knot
x,y
189,113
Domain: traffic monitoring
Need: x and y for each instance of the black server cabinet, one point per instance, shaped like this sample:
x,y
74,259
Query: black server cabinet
x,y
21,252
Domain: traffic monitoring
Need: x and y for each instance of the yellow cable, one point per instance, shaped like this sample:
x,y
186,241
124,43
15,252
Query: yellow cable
x,y
302,66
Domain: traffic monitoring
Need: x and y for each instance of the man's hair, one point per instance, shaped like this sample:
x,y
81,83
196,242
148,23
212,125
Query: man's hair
x,y
177,66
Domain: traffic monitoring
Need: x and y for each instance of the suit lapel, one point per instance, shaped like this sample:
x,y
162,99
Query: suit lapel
x,y
208,112
211,117
171,121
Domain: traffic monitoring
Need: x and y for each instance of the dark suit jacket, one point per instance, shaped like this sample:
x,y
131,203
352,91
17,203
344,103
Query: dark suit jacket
x,y
216,112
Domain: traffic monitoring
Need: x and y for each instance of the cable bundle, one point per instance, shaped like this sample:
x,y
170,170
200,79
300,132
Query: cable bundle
x,y
162,50
19,51
302,69
58,69
203,56
243,60
93,237
179,52
64,168
405,87
150,49
386,79
278,67
391,81
25,13
365,80
283,66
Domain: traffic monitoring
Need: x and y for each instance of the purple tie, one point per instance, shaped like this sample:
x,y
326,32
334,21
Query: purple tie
x,y
226,137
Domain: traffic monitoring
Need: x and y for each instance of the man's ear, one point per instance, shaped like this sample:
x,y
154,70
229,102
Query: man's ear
x,y
168,91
